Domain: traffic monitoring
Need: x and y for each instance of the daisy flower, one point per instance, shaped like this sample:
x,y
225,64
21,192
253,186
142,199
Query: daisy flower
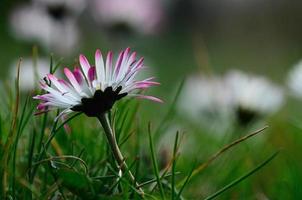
x,y
31,72
59,7
294,80
53,26
93,90
143,16
253,96
206,100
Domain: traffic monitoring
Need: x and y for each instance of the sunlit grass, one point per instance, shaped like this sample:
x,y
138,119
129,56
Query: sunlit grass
x,y
41,159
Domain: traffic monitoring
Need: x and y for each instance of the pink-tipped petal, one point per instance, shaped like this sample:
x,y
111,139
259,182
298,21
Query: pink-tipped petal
x,y
132,59
72,80
41,106
139,64
155,99
99,65
91,74
109,65
84,64
70,89
44,97
126,53
56,83
146,84
78,75
119,63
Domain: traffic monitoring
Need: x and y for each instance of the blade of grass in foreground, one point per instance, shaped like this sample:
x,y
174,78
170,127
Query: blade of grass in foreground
x,y
185,183
170,163
238,180
11,137
154,162
53,132
220,152
173,164
15,145
170,111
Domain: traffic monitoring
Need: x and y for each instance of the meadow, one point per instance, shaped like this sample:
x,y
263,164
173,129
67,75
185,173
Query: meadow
x,y
220,117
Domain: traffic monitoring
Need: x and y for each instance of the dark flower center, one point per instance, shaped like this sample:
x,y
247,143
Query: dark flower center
x,y
58,12
101,102
245,116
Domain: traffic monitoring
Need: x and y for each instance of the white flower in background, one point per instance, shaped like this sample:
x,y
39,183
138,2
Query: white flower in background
x,y
52,27
29,72
143,16
215,102
253,95
206,101
70,6
294,80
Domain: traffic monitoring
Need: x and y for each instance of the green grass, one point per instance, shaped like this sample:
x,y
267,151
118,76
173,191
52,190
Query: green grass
x,y
40,159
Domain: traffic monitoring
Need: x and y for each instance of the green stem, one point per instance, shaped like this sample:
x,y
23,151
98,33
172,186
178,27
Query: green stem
x,y
104,120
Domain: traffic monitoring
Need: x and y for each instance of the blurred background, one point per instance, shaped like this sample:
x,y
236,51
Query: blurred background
x,y
238,60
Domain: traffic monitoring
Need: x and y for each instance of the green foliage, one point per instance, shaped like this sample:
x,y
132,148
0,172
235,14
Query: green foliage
x,y
42,159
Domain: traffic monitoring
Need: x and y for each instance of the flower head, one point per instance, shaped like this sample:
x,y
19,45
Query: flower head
x,y
253,96
294,80
30,70
206,101
53,25
94,89
217,101
143,16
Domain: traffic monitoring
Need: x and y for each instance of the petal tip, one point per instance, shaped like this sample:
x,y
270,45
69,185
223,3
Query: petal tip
x,y
98,53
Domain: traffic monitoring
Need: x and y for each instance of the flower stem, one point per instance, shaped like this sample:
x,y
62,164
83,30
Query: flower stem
x,y
104,120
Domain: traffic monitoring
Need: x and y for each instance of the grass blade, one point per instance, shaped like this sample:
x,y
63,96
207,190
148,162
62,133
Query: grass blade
x,y
11,137
238,180
15,145
53,132
221,151
154,162
170,111
185,183
173,164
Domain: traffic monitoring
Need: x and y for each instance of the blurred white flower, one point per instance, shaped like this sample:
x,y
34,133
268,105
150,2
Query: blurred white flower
x,y
294,80
53,28
253,95
215,102
143,16
207,101
74,6
29,73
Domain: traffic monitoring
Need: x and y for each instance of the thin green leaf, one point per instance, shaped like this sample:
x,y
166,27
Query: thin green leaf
x,y
64,157
51,64
11,136
121,177
124,180
238,180
171,110
174,165
204,165
15,145
154,180
57,65
185,183
125,139
154,162
47,143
